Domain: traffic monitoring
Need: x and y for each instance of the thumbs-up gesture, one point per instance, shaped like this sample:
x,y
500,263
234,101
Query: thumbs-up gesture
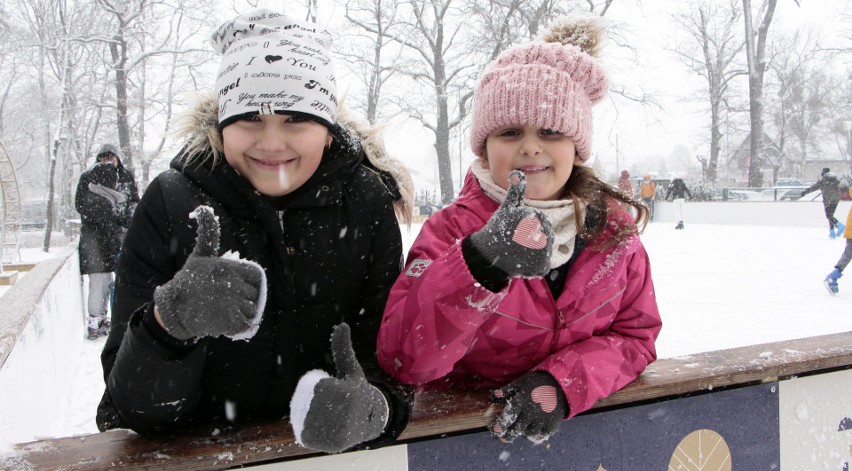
x,y
333,414
211,295
517,239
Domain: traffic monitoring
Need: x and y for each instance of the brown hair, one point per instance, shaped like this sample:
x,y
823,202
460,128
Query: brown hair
x,y
584,184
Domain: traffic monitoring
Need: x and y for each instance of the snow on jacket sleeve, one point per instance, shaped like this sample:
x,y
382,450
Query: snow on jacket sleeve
x,y
603,363
149,384
127,185
425,331
605,322
95,210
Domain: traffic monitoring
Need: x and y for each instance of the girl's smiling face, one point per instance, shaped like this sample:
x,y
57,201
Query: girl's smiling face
x,y
545,156
275,153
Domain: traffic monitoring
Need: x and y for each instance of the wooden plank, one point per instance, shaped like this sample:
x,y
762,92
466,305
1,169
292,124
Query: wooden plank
x,y
668,377
435,412
203,449
19,266
739,366
8,278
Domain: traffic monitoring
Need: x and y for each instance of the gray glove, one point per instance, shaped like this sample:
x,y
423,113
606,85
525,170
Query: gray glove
x,y
535,406
211,296
517,239
333,414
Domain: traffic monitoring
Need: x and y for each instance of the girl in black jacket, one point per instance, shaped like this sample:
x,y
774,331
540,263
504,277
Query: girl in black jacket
x,y
246,265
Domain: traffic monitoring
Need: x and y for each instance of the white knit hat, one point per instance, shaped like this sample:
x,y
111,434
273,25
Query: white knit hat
x,y
273,64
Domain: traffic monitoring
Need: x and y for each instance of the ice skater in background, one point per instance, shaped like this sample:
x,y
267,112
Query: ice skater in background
x,y
829,185
831,280
534,281
678,192
648,193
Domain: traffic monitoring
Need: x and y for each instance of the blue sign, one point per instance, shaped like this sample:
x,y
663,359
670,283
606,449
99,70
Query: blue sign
x,y
736,428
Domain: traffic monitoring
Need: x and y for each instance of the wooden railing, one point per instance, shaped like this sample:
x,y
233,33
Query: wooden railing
x,y
436,414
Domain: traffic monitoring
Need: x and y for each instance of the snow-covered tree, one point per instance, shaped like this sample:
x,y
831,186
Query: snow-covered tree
x,y
712,51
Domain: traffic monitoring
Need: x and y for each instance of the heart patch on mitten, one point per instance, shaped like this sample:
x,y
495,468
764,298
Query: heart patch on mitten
x,y
529,233
545,396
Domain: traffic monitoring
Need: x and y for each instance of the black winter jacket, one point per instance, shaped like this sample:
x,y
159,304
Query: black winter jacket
x,y
678,189
102,223
829,186
330,255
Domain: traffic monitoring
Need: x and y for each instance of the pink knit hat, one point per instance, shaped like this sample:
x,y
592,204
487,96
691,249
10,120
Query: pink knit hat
x,y
550,83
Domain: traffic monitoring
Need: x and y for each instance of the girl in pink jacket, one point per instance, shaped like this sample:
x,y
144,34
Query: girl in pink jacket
x,y
534,281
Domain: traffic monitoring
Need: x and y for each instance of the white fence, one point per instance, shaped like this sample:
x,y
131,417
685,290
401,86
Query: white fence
x,y
42,329
763,213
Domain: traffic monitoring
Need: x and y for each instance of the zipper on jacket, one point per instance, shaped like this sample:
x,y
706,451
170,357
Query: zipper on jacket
x,y
560,319
559,324
289,250
285,253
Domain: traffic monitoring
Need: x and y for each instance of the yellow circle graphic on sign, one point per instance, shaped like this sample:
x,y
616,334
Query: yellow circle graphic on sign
x,y
701,450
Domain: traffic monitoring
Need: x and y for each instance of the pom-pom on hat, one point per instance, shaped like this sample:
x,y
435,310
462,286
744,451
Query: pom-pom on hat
x,y
274,64
550,83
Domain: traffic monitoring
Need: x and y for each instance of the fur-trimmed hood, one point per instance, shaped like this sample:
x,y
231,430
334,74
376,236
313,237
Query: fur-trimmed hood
x,y
199,129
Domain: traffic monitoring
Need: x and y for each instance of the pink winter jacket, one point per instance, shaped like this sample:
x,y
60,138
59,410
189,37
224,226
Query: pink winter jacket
x,y
442,329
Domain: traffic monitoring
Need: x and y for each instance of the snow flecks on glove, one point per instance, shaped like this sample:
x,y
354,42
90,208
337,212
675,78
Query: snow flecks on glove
x,y
261,296
516,239
207,238
212,296
535,406
335,413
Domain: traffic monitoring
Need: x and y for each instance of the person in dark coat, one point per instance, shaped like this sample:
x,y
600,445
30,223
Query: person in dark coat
x,y
678,189
106,197
678,192
829,185
279,275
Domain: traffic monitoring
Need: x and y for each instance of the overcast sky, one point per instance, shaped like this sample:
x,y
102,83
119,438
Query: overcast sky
x,y
626,135
681,122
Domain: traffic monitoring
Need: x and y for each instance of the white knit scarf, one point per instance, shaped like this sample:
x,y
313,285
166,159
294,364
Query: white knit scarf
x,y
560,213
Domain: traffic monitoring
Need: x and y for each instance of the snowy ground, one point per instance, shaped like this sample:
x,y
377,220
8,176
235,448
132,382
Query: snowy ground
x,y
718,287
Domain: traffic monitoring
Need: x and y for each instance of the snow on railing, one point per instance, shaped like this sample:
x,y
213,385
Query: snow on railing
x,y
42,329
751,406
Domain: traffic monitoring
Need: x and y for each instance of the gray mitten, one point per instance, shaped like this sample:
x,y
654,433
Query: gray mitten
x,y
333,414
535,406
517,239
211,295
